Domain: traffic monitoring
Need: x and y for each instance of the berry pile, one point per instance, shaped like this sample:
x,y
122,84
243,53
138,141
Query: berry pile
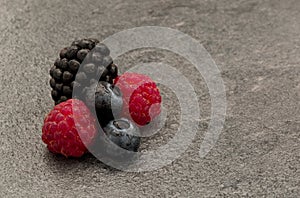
x,y
121,104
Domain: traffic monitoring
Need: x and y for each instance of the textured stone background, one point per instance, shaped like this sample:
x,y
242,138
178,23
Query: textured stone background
x,y
255,43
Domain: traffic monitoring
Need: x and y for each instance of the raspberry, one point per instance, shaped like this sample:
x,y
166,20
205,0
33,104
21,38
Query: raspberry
x,y
141,97
60,132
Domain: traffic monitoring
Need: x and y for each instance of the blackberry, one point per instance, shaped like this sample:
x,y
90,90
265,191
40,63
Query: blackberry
x,y
95,60
106,99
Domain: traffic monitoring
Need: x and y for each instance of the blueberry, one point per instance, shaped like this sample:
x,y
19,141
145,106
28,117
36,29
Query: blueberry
x,y
123,133
106,99
118,143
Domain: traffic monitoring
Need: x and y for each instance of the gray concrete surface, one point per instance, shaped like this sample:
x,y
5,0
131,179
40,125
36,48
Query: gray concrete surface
x,y
255,43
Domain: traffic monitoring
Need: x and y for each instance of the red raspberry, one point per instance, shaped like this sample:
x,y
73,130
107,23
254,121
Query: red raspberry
x,y
60,132
141,96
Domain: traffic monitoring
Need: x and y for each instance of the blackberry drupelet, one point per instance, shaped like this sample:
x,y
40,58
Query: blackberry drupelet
x,y
95,60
